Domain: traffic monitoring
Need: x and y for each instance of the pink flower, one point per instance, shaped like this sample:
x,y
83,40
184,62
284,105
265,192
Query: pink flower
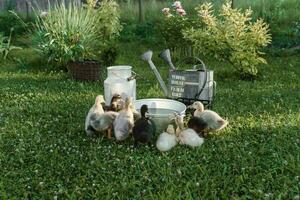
x,y
181,11
166,10
177,5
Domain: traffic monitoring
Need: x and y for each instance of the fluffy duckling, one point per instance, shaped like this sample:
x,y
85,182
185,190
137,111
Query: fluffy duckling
x,y
136,114
190,137
187,136
166,140
124,122
179,123
212,119
144,128
104,122
198,125
94,111
116,103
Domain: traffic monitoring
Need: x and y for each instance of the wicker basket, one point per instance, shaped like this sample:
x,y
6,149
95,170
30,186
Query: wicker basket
x,y
85,71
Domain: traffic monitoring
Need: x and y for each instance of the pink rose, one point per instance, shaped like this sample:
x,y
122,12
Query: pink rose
x,y
181,11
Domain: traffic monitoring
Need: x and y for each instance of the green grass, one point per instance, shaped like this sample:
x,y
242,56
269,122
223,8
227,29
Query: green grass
x,y
44,152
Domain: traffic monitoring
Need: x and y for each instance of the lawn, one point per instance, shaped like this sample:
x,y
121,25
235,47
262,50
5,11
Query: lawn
x,y
45,154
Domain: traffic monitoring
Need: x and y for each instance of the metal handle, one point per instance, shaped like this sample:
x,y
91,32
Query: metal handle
x,y
192,58
203,69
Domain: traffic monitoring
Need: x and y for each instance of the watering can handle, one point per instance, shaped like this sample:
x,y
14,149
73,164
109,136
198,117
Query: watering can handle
x,y
203,68
191,58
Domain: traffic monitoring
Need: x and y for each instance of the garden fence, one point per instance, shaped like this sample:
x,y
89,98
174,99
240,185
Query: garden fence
x,y
26,6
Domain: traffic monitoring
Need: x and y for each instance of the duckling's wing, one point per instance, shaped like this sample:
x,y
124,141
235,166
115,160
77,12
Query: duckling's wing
x,y
213,119
102,122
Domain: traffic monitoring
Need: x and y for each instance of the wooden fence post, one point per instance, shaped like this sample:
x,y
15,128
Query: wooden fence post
x,y
141,12
27,9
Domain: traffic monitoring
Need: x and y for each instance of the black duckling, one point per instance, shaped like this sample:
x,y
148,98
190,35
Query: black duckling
x,y
144,128
198,125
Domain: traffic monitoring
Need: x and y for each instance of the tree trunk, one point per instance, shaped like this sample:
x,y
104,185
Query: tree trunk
x,y
141,14
232,4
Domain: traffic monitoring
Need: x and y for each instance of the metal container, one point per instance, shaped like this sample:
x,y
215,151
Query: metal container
x,y
119,81
185,85
196,84
161,110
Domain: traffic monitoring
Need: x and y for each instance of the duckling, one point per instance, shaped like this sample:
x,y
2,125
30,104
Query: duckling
x,y
116,103
167,140
190,137
179,121
95,110
124,122
104,122
187,136
212,119
198,125
136,114
144,128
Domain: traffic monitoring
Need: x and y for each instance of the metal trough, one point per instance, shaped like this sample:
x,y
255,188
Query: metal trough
x,y
161,110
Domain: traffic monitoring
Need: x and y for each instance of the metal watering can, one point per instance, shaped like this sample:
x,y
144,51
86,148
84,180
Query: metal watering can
x,y
186,86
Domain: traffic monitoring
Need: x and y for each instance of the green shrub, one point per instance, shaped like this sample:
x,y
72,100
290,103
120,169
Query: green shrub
x,y
232,37
77,33
142,32
174,22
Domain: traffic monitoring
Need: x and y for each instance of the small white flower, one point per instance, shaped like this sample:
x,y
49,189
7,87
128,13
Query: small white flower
x,y
268,195
176,4
166,10
179,172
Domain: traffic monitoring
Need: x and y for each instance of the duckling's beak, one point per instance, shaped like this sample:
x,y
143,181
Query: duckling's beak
x,y
147,114
190,106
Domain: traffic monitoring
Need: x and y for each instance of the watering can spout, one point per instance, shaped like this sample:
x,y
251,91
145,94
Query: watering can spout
x,y
166,56
148,57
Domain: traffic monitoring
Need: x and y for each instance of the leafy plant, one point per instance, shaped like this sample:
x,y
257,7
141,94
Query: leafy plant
x,y
5,46
231,36
77,33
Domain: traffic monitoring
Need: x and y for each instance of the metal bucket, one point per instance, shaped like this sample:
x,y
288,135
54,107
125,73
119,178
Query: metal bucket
x,y
161,110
